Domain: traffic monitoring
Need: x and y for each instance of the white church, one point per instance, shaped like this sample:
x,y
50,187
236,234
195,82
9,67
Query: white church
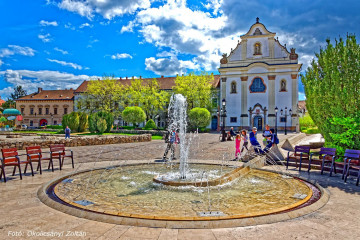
x,y
259,75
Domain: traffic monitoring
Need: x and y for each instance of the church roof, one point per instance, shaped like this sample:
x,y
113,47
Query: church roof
x,y
257,32
165,83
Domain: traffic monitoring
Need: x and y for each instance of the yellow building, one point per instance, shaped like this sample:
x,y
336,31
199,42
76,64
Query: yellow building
x,y
45,107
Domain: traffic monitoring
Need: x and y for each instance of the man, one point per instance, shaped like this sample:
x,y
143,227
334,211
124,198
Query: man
x,y
67,132
273,140
170,139
254,142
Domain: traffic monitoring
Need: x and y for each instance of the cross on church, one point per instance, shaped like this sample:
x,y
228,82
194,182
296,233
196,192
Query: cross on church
x,y
257,20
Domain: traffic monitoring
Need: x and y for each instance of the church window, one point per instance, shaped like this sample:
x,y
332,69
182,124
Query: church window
x,y
282,119
233,119
257,85
257,48
283,85
233,87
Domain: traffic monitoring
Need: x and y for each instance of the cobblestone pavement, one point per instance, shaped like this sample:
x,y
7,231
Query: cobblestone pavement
x,y
25,217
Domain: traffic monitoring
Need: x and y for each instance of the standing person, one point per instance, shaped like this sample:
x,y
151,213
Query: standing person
x,y
170,140
67,132
237,147
254,142
245,140
267,134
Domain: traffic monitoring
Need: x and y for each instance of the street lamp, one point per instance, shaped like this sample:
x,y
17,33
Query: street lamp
x,y
222,115
286,115
276,111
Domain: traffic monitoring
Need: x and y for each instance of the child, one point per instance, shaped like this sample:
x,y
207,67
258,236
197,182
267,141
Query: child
x,y
245,139
237,146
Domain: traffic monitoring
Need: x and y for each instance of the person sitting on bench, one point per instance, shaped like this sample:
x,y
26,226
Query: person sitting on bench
x,y
254,142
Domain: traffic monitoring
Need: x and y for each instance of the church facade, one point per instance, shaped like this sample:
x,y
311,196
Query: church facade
x,y
259,75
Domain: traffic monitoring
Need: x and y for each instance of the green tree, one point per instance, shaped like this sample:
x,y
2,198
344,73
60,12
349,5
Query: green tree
x,y
197,89
199,117
18,93
102,95
134,115
83,122
332,88
147,95
150,124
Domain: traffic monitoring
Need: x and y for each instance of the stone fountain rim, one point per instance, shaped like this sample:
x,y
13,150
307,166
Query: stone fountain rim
x,y
195,222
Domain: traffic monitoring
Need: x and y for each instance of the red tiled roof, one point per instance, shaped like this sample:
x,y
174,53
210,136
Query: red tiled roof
x,y
165,83
50,95
2,101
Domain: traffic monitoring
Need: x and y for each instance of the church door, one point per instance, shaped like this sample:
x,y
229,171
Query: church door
x,y
258,122
214,123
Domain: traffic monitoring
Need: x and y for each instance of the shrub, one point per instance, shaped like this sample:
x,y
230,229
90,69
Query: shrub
x,y
54,126
306,121
134,115
99,116
109,118
199,117
72,120
83,122
101,125
150,124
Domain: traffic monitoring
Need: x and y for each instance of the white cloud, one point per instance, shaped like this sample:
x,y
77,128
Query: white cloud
x,y
60,50
108,9
302,96
169,66
46,23
197,34
121,56
127,28
45,37
5,92
31,80
85,25
15,49
1,62
63,63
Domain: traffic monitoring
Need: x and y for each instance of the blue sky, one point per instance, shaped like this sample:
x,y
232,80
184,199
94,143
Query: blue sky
x,y
57,44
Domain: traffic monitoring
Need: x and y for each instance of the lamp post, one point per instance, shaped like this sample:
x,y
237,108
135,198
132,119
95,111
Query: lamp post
x,y
222,115
276,111
286,115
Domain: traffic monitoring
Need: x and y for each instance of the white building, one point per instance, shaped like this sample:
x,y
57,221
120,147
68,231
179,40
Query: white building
x,y
259,75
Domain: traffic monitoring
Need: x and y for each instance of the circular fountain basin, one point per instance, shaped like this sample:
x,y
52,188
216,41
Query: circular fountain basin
x,y
129,195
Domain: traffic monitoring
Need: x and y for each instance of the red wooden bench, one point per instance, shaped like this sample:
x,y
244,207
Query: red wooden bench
x,y
300,156
35,154
325,156
10,157
59,151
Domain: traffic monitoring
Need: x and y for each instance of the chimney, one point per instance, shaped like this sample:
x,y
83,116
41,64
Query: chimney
x,y
126,77
162,76
71,89
120,78
39,89
140,77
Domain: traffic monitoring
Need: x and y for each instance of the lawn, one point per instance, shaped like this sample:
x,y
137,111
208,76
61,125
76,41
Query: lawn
x,y
38,132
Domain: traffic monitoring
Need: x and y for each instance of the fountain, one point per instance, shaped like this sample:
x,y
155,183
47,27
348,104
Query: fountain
x,y
210,194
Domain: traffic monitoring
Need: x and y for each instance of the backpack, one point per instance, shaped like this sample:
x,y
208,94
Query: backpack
x,y
276,139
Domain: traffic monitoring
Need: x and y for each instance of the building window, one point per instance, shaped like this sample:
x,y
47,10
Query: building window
x,y
257,85
46,110
233,87
40,111
22,111
283,85
55,111
233,119
257,48
31,111
65,111
282,119
31,123
55,122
